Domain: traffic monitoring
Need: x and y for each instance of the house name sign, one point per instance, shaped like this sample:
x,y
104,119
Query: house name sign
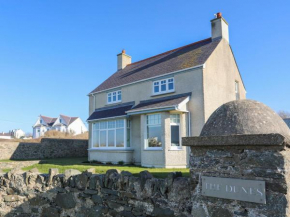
x,y
234,189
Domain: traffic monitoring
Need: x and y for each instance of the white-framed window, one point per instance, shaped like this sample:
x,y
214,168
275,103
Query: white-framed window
x,y
41,121
114,97
154,131
110,134
175,131
237,90
163,86
128,133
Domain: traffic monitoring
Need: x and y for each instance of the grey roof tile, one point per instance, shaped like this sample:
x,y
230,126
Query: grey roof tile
x,y
181,58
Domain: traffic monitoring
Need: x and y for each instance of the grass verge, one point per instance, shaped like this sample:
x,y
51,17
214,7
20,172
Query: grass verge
x,y
78,163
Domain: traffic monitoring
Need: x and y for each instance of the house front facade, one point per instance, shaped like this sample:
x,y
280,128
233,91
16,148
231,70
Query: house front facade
x,y
63,123
140,113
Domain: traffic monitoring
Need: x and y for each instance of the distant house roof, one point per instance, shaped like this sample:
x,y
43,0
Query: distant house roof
x,y
188,56
111,111
48,120
287,121
164,102
68,120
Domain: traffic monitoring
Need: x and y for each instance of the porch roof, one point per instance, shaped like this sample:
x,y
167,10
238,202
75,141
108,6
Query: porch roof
x,y
111,111
164,104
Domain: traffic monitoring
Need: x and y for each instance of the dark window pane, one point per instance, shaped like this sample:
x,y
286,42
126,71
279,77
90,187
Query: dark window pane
x,y
174,135
128,137
156,89
154,136
170,86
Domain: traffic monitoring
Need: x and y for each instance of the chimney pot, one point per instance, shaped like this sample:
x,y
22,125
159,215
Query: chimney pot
x,y
123,51
219,15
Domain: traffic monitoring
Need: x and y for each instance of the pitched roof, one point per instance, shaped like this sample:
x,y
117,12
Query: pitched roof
x,y
68,120
168,101
48,120
188,56
111,111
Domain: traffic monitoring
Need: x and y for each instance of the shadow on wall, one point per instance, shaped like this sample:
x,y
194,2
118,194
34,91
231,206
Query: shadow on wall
x,y
87,194
47,148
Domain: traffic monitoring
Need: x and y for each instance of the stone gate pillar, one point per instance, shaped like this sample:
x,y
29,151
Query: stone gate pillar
x,y
240,163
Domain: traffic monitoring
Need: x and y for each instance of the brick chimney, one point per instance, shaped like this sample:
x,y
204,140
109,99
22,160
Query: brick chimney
x,y
219,28
123,60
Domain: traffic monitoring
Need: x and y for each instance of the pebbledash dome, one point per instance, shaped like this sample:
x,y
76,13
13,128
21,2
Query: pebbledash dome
x,y
242,117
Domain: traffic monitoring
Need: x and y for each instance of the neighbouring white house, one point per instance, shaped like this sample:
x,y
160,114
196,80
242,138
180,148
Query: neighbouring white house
x,y
141,112
5,135
63,123
17,134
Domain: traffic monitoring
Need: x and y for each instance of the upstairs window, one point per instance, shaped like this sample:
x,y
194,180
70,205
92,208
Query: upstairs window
x,y
114,97
237,90
163,86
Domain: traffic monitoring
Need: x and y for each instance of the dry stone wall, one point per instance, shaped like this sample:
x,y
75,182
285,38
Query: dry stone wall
x,y
47,148
90,195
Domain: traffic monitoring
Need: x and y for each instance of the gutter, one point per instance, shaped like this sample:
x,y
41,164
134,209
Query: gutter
x,y
146,79
106,118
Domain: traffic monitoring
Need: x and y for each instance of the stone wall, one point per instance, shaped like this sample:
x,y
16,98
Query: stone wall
x,y
86,194
47,148
247,157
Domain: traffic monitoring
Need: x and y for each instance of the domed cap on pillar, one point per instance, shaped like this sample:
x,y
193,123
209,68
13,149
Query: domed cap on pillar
x,y
244,117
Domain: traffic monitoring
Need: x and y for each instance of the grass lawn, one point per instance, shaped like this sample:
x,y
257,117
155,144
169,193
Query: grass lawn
x,y
77,163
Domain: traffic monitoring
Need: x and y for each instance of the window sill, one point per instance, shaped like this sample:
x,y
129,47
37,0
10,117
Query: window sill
x,y
153,149
164,93
111,149
176,149
113,103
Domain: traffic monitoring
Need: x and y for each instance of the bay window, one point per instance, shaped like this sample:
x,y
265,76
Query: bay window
x,y
114,97
163,86
154,131
109,134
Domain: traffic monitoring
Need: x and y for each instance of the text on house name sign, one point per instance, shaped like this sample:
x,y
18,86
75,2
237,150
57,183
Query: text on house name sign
x,y
234,189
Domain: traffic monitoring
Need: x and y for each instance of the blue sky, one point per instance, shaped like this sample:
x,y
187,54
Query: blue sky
x,y
53,53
